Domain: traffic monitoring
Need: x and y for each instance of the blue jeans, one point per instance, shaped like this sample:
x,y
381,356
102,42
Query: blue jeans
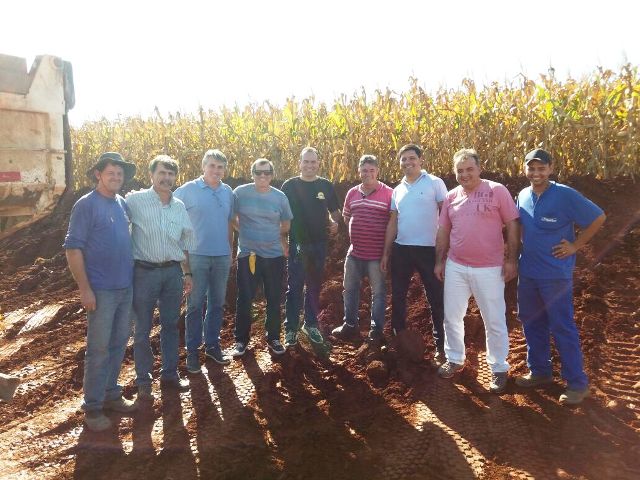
x,y
161,286
108,329
355,270
210,276
305,266
269,272
545,308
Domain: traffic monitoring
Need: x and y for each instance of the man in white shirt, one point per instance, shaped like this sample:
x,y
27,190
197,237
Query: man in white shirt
x,y
411,238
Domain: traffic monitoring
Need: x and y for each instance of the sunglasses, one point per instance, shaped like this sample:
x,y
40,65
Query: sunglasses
x,y
259,173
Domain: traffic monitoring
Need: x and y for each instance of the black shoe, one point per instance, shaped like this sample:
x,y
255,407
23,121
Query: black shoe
x,y
346,332
217,356
179,384
276,347
375,335
238,350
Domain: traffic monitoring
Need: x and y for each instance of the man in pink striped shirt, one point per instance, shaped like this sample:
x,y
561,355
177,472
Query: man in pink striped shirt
x,y
366,213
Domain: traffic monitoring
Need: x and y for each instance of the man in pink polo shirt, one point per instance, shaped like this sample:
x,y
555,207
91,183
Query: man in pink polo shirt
x,y
366,213
470,240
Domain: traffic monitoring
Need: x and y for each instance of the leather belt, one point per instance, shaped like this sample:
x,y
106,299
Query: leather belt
x,y
150,265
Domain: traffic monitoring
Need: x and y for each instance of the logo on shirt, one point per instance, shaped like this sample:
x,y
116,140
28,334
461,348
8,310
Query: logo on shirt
x,y
548,219
320,196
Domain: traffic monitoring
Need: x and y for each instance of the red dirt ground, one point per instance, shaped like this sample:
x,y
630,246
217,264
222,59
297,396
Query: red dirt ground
x,y
356,412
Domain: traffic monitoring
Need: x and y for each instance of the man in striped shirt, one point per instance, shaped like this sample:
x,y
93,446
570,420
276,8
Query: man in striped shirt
x,y
162,235
366,213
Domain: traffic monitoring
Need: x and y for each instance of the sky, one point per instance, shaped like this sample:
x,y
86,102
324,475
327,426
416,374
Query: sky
x,y
130,57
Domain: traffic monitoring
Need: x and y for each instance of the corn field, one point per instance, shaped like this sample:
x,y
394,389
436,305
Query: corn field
x,y
591,126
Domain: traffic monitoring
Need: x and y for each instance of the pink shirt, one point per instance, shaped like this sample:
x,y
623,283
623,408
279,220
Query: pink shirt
x,y
368,217
476,222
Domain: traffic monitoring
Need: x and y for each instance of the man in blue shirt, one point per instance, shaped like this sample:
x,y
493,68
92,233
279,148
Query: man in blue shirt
x,y
99,253
264,218
162,235
210,205
548,213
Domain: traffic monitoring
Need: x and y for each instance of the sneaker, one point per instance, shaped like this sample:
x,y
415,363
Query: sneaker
x,y
574,397
144,392
238,350
346,332
375,335
120,405
193,363
449,369
498,382
97,421
290,339
530,380
217,356
179,384
275,346
313,334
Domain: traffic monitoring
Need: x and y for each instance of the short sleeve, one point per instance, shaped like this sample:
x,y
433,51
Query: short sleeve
x,y
441,190
79,225
508,209
285,209
583,210
332,198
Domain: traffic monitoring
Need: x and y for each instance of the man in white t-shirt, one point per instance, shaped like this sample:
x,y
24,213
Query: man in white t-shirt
x,y
411,238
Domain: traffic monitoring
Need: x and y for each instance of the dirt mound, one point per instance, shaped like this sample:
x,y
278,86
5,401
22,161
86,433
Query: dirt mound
x,y
358,410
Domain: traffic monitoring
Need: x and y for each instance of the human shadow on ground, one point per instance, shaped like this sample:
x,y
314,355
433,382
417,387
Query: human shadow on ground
x,y
231,444
326,423
527,429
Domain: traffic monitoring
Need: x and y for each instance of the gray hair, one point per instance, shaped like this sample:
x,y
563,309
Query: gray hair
x,y
465,153
368,159
262,161
214,154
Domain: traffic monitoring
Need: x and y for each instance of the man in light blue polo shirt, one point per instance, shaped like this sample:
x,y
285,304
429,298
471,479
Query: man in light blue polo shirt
x,y
210,205
162,235
411,238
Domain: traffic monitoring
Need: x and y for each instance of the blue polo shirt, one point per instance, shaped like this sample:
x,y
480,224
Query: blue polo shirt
x,y
99,226
417,207
210,210
547,220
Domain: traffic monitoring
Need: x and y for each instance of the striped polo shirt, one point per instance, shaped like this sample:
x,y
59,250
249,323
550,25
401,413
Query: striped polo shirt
x,y
159,232
367,217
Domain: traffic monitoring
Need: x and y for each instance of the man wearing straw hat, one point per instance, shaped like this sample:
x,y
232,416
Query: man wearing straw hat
x,y
99,253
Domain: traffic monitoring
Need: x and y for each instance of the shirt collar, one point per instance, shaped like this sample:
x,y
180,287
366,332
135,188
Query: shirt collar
x,y
155,195
423,173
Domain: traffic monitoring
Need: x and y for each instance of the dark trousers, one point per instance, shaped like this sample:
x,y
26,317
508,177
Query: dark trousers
x,y
305,266
269,272
405,259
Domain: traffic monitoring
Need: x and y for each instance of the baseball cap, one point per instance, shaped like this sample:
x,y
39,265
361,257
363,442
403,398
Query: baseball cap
x,y
538,154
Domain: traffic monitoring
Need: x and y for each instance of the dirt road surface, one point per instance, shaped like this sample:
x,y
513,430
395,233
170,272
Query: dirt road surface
x,y
352,412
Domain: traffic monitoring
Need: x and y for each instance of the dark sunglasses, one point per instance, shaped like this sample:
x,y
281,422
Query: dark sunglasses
x,y
259,173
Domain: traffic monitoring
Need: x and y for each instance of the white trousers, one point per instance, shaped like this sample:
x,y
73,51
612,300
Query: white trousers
x,y
487,287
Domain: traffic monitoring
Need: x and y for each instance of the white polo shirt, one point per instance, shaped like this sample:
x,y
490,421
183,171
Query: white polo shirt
x,y
417,207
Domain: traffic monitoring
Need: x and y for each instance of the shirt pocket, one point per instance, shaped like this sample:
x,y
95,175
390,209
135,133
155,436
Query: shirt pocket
x,y
174,230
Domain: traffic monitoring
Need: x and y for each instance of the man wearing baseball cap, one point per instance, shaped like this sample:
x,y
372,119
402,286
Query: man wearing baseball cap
x,y
548,213
99,253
